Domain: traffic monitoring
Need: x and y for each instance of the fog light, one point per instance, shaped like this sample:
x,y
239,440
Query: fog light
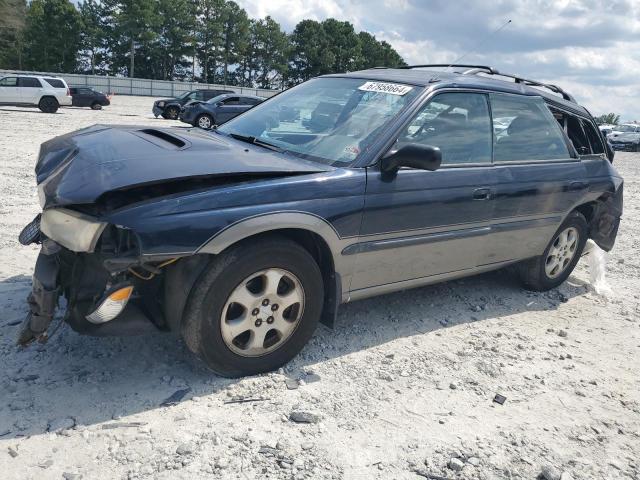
x,y
111,306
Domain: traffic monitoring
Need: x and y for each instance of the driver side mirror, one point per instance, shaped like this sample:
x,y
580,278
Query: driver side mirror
x,y
414,155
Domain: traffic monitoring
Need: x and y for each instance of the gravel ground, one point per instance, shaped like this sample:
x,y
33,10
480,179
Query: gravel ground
x,y
404,385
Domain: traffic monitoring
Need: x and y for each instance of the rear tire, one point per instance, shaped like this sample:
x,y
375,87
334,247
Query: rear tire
x,y
560,257
223,323
204,121
171,113
48,105
96,106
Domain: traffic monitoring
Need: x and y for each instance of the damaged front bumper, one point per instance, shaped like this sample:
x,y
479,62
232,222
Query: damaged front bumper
x,y
103,298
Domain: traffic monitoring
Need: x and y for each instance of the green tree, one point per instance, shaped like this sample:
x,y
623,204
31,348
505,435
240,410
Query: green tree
x,y
12,23
174,38
343,44
608,119
235,35
131,25
52,36
93,37
266,56
310,52
208,35
376,53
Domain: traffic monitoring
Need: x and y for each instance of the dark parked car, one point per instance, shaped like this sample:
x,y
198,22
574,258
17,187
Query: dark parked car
x,y
88,97
629,142
169,108
217,110
243,238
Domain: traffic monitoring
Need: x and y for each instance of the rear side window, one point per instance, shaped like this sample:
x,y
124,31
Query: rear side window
x,y
524,129
457,123
594,138
55,82
29,82
8,82
231,101
577,136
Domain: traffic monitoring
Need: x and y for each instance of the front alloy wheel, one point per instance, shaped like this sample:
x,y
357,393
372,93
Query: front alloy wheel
x,y
254,307
262,312
204,121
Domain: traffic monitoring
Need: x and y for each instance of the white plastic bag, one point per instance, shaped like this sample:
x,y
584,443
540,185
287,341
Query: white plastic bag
x,y
597,268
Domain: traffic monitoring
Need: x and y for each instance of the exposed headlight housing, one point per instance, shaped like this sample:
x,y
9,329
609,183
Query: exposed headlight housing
x,y
111,305
73,230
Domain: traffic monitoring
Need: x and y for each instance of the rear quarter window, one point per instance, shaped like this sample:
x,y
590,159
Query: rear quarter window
x,y
594,137
55,82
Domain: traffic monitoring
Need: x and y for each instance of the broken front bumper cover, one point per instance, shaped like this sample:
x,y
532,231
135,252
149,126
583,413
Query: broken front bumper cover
x,y
98,299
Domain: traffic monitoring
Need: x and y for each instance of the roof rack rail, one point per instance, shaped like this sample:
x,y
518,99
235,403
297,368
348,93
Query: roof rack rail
x,y
447,65
525,81
476,69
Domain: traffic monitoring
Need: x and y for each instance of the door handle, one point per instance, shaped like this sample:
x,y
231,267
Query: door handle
x,y
482,194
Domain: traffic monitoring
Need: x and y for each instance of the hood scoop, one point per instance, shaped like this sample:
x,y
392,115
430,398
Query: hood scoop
x,y
162,138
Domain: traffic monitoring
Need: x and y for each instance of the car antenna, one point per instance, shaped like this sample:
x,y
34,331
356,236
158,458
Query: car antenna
x,y
457,60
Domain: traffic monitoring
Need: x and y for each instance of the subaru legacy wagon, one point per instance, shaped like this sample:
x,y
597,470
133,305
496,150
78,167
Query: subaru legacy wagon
x,y
245,237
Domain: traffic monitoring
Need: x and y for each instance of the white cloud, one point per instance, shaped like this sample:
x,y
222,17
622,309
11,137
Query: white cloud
x,y
589,47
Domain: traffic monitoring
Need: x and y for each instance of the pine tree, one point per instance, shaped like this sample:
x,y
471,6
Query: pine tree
x,y
52,36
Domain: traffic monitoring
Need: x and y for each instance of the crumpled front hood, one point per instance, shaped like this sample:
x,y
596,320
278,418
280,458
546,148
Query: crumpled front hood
x,y
79,167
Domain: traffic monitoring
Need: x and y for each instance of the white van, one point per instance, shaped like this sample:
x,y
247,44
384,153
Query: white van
x,y
46,93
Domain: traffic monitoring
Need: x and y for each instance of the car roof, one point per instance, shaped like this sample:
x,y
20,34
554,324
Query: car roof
x,y
35,75
438,79
243,95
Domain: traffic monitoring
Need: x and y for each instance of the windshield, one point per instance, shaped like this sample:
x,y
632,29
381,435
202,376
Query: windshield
x,y
627,128
185,94
330,120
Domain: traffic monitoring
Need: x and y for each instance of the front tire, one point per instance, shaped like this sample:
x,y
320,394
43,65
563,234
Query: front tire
x,y
96,106
254,308
560,257
48,105
204,121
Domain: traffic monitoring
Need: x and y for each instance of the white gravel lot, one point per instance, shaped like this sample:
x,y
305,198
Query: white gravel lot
x,y
406,381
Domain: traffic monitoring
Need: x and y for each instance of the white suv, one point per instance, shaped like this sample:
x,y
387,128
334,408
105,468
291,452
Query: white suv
x,y
46,93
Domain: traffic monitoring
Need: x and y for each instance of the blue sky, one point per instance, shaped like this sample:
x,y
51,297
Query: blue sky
x,y
591,48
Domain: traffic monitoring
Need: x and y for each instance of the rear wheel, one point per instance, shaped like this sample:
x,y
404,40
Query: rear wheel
x,y
171,113
560,257
48,105
204,121
96,106
254,308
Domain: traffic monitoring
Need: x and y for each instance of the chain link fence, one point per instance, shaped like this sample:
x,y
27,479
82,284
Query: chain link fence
x,y
140,86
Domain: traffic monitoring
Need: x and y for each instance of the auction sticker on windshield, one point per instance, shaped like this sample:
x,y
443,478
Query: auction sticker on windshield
x,y
382,87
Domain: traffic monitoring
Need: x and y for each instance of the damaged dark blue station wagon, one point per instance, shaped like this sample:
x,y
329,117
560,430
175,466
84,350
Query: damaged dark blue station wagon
x,y
347,186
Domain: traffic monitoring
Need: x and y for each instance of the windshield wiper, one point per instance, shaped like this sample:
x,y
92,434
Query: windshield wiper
x,y
256,141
